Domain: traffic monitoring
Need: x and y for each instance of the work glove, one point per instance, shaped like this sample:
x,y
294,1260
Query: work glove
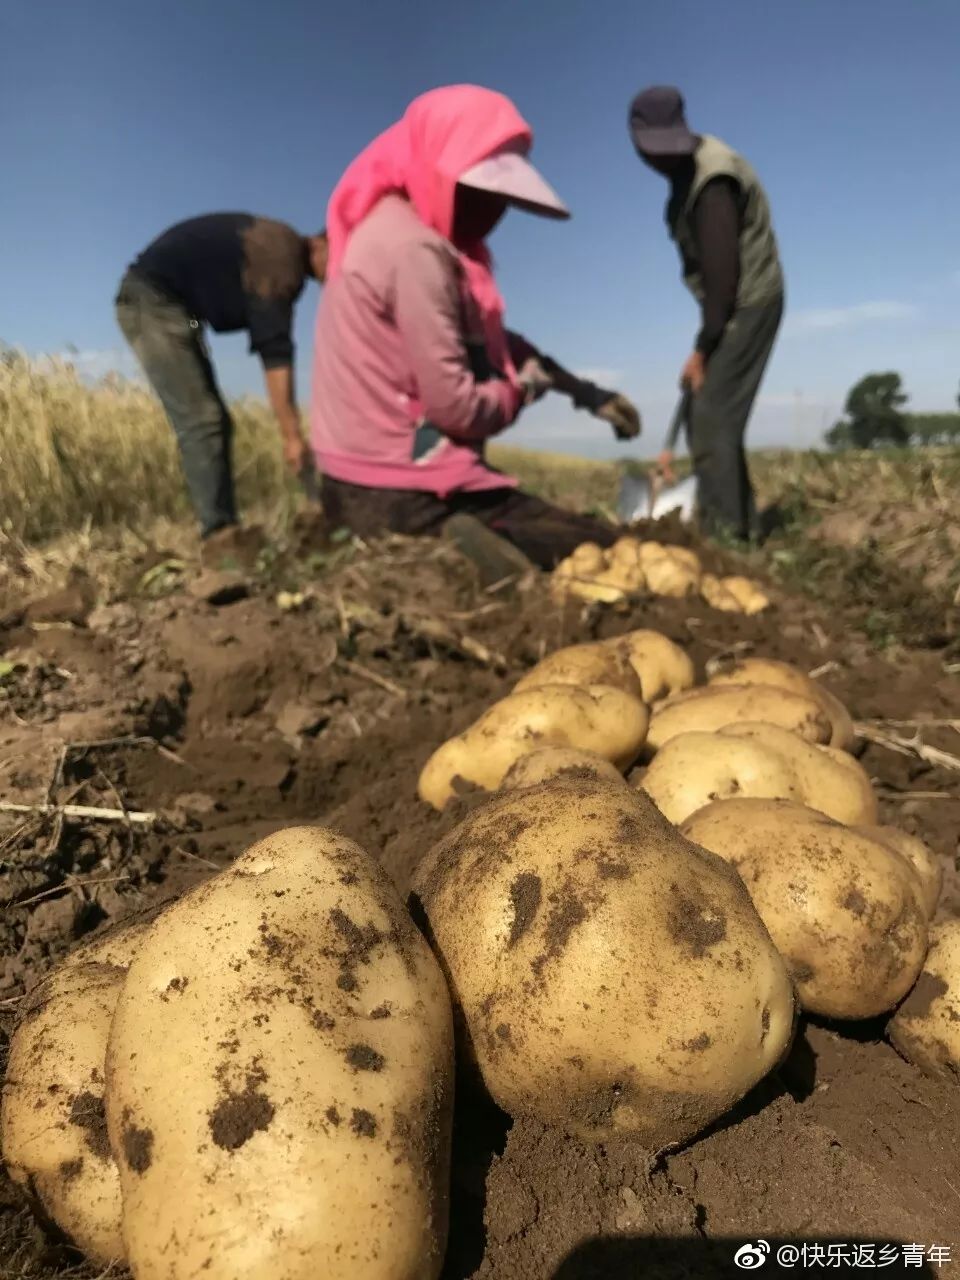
x,y
612,407
622,414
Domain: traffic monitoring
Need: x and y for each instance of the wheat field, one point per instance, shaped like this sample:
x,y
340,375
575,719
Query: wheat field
x,y
76,457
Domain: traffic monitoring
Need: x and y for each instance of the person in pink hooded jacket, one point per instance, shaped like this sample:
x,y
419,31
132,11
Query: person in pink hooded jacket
x,y
413,366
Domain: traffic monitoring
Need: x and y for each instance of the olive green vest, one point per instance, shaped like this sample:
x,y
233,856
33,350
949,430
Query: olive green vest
x,y
761,278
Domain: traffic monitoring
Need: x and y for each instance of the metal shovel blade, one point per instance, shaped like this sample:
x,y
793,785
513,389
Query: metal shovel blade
x,y
649,497
640,499
680,497
635,500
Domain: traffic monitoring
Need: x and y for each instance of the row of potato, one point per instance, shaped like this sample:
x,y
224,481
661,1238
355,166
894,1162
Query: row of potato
x,y
257,1079
632,567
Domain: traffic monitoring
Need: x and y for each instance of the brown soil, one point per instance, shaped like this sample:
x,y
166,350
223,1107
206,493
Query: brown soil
x,y
234,719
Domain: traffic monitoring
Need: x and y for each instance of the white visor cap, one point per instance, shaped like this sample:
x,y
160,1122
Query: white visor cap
x,y
511,175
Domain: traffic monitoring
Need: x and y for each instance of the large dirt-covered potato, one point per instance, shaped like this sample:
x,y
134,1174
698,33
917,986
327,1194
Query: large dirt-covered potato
x,y
846,912
612,978
920,856
710,709
761,761
597,718
926,1027
559,762
279,1077
770,671
54,1125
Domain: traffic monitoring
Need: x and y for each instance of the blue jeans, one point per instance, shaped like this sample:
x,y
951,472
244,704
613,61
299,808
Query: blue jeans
x,y
169,344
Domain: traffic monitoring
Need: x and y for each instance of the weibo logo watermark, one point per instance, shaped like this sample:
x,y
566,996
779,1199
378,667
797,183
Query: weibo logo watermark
x,y
752,1255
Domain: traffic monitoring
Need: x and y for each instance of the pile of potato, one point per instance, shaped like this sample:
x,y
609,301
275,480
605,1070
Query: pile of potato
x,y
257,1082
631,567
257,1079
566,958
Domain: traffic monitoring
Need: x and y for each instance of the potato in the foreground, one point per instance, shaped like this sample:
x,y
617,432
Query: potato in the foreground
x,y
760,761
597,718
845,911
54,1125
613,979
926,1027
709,709
279,1077
770,671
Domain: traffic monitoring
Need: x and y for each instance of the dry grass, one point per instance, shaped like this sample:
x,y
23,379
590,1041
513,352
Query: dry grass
x,y
74,455
94,465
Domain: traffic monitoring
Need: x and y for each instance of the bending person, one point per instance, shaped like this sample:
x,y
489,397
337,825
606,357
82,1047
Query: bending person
x,y
413,367
232,271
717,214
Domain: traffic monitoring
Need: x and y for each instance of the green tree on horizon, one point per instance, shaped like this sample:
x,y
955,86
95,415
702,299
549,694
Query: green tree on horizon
x,y
873,414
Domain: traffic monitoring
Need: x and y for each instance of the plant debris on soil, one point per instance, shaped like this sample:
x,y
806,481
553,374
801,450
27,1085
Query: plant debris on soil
x,y
231,713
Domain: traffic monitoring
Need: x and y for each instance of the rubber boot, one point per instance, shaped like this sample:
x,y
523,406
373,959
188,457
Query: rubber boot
x,y
496,559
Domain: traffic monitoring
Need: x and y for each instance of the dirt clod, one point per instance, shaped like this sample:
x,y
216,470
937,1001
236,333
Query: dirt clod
x,y
363,1123
525,894
919,1002
361,1057
238,1116
694,924
138,1148
87,1112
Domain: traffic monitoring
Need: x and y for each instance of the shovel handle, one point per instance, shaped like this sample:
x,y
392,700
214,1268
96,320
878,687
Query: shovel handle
x,y
680,415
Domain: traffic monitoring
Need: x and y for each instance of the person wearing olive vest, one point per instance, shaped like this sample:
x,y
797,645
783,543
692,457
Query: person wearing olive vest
x,y
718,215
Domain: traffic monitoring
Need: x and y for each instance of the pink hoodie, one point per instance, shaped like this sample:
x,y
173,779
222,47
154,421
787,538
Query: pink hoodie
x,y
403,305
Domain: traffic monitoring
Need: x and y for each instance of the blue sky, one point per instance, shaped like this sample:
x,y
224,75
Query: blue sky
x,y
122,117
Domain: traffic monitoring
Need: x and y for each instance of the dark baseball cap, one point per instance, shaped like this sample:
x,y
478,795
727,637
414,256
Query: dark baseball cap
x,y
658,123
